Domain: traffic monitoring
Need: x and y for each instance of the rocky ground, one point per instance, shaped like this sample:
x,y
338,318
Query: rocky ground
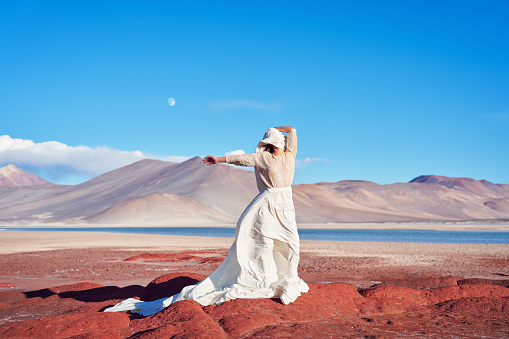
x,y
60,294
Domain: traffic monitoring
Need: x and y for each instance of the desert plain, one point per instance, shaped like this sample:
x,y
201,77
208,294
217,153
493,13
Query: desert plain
x,y
55,284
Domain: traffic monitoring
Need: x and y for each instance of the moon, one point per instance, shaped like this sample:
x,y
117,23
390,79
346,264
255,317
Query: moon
x,y
171,101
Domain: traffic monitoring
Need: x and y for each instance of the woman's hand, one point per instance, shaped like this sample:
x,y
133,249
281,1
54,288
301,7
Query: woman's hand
x,y
284,129
211,160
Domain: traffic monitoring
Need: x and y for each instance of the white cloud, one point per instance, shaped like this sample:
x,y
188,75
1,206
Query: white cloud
x,y
307,161
236,152
61,163
236,104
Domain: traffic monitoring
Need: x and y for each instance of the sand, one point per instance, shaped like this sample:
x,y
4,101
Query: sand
x,y
19,241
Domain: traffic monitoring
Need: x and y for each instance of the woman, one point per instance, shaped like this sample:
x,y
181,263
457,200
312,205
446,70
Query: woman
x,y
263,260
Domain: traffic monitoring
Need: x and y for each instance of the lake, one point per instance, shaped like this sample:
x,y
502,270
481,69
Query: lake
x,y
375,235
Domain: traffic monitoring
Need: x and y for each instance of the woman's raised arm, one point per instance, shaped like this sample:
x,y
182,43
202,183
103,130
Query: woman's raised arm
x,y
285,129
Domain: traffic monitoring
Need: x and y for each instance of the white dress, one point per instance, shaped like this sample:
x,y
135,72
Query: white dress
x,y
263,260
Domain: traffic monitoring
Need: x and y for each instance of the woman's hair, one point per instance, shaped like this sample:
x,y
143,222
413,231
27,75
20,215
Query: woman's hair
x,y
270,148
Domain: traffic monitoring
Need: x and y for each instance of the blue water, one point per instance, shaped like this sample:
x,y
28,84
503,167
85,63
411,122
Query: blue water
x,y
375,235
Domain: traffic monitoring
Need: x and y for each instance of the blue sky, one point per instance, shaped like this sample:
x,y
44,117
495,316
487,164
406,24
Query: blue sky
x,y
378,90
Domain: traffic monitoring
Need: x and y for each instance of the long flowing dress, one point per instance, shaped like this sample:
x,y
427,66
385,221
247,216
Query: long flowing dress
x,y
263,259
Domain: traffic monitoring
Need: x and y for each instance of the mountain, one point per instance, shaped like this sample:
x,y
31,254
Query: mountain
x,y
154,192
225,189
11,175
159,209
481,188
445,199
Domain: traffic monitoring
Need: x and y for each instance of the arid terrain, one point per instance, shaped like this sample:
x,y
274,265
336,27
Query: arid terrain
x,y
153,192
54,284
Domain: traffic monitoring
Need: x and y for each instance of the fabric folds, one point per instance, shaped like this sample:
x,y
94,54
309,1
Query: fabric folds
x,y
262,262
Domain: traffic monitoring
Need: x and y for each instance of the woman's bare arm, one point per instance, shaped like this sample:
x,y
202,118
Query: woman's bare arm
x,y
211,160
285,129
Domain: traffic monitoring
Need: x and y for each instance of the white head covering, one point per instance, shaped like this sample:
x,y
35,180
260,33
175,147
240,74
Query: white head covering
x,y
272,136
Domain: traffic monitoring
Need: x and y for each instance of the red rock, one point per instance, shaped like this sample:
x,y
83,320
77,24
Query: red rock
x,y
203,257
64,326
424,282
319,330
170,284
237,326
323,302
439,295
212,260
184,319
473,281
480,306
151,257
10,297
392,299
327,310
5,285
81,286
240,316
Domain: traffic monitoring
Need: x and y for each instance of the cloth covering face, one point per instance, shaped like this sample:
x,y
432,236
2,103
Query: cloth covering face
x,y
261,263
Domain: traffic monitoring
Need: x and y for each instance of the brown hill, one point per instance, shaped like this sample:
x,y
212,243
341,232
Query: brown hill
x,y
159,209
158,192
424,198
223,188
482,188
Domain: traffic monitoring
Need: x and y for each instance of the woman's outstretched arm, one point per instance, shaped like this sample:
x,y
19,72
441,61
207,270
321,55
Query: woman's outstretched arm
x,y
211,160
285,129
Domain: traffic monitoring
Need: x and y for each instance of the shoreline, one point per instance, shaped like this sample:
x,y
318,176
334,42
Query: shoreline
x,y
27,241
435,226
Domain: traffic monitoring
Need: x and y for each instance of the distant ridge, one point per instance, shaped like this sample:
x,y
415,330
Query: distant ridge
x,y
11,175
223,189
478,187
424,198
159,209
154,192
